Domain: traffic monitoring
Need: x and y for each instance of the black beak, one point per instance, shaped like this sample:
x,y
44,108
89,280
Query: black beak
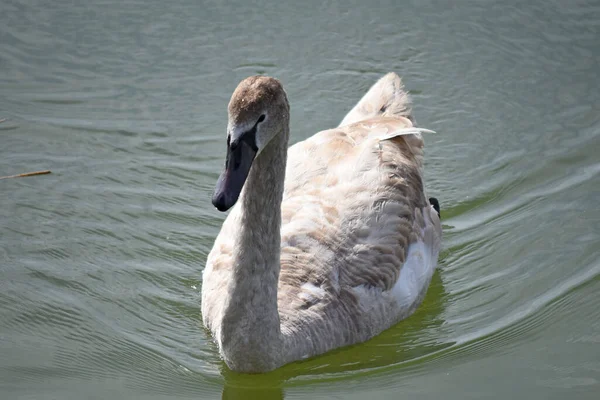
x,y
240,156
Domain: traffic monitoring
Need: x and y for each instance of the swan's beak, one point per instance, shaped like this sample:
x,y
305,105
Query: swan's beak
x,y
237,166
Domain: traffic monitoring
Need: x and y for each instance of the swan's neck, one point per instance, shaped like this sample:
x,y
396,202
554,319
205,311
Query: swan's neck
x,y
250,332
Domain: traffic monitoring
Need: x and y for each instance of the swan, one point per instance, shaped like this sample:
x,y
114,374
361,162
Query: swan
x,y
329,242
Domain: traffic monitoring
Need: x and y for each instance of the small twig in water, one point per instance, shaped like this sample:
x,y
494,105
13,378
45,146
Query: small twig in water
x,y
27,174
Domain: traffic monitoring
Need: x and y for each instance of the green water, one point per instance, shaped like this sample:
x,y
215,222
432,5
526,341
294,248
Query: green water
x,y
125,101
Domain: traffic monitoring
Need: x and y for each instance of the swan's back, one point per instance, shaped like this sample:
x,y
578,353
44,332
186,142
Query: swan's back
x,y
359,239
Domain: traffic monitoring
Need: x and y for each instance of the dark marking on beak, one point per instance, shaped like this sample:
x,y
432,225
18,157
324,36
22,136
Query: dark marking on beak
x,y
240,155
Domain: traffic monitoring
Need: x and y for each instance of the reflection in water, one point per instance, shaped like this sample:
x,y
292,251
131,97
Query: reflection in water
x,y
414,338
233,392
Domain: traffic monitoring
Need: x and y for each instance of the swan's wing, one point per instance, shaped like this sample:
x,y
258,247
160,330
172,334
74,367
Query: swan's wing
x,y
332,153
386,98
353,206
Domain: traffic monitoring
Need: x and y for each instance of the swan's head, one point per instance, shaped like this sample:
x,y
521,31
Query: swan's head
x,y
258,111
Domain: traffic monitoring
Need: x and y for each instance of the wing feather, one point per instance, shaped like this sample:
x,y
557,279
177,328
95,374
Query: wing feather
x,y
349,211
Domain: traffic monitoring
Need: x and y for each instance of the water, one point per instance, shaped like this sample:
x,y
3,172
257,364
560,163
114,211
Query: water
x,y
100,262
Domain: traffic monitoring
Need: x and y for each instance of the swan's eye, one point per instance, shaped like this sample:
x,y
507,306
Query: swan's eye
x,y
261,119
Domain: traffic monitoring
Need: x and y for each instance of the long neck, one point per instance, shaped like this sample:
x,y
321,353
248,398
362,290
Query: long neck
x,y
251,334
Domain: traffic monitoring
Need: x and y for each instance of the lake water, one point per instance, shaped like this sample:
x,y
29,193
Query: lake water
x,y
125,101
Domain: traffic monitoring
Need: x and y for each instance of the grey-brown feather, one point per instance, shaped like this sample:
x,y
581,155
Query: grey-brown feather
x,y
351,205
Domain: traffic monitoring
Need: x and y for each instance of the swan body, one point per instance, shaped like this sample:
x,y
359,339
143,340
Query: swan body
x,y
329,242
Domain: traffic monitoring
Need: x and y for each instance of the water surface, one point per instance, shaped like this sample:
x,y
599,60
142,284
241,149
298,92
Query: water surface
x,y
125,101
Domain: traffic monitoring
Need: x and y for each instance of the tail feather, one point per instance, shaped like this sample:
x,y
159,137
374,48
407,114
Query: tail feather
x,y
436,205
387,97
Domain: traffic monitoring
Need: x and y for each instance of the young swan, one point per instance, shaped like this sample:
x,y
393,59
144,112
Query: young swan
x,y
327,249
